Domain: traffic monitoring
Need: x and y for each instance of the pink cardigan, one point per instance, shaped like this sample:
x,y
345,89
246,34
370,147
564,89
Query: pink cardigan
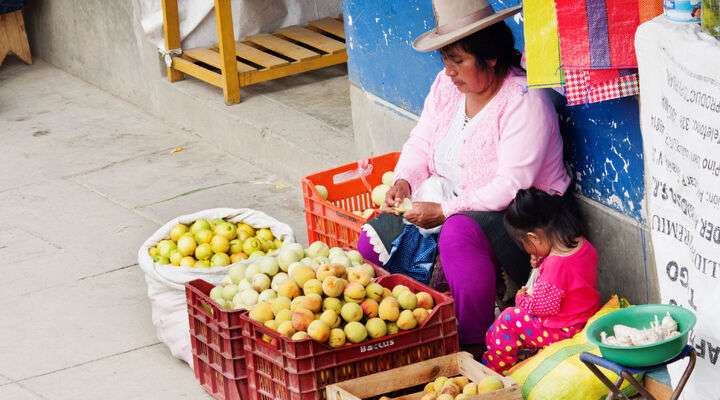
x,y
517,145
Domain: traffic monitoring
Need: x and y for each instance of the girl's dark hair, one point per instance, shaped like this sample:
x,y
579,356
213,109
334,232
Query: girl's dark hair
x,y
534,209
496,42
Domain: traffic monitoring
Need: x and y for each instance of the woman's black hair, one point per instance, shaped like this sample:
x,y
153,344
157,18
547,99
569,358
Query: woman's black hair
x,y
556,215
496,42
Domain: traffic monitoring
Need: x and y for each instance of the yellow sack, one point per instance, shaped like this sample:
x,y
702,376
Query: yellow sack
x,y
556,372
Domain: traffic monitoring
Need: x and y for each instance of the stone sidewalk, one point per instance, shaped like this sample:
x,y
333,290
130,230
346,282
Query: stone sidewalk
x,y
86,178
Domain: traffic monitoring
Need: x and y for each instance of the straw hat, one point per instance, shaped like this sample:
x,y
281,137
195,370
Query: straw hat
x,y
457,19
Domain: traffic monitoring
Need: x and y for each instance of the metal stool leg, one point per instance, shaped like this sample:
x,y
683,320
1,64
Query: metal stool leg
x,y
686,375
615,392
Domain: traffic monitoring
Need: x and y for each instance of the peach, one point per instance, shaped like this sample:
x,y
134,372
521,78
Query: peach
x,y
312,302
406,320
280,303
359,275
471,389
354,292
421,315
333,286
376,327
461,381
284,315
370,308
351,312
407,300
301,274
262,312
313,286
489,384
386,293
289,289
331,318
439,383
425,300
392,328
332,303
374,291
323,272
389,309
338,270
299,336
399,289
286,328
319,331
337,338
301,319
355,332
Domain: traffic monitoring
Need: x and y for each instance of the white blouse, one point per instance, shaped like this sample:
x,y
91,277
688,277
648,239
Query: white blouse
x,y
447,151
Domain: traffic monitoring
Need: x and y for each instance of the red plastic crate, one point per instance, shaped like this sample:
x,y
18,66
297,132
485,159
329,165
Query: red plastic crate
x,y
332,221
299,370
216,338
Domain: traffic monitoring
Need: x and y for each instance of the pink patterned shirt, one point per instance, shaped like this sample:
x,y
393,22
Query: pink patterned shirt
x,y
565,291
516,145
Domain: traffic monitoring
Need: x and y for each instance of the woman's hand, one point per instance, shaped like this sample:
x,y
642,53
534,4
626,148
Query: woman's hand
x,y
425,215
397,193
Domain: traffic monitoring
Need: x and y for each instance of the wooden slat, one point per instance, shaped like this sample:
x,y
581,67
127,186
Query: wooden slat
x,y
198,72
211,57
262,75
282,46
312,39
330,25
259,57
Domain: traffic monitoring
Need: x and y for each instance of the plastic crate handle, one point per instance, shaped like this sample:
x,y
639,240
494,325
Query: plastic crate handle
x,y
364,168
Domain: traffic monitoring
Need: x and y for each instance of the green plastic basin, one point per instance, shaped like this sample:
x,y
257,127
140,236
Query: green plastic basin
x,y
639,317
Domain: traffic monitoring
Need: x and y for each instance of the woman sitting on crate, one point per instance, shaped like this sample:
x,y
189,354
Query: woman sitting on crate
x,y
481,137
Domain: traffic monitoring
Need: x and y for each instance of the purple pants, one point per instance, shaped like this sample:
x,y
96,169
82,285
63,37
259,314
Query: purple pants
x,y
467,261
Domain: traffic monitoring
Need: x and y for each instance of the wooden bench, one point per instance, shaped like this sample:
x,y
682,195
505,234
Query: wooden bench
x,y
13,38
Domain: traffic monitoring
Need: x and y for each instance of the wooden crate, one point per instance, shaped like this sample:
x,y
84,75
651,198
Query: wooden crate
x,y
398,379
231,65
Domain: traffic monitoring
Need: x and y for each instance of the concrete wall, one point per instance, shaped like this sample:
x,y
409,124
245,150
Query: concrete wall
x,y
603,142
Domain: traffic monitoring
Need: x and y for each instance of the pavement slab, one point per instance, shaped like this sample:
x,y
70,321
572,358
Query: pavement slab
x,y
14,391
71,324
147,373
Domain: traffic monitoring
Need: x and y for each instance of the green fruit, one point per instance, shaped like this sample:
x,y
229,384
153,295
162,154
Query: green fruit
x,y
265,234
186,245
187,262
202,264
252,245
163,260
175,258
165,247
153,252
203,236
203,252
219,244
199,225
220,260
227,230
236,246
177,231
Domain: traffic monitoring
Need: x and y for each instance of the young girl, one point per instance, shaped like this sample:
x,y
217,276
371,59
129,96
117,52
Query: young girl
x,y
563,296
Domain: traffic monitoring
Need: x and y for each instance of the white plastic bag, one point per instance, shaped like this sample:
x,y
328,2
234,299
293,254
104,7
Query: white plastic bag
x,y
166,283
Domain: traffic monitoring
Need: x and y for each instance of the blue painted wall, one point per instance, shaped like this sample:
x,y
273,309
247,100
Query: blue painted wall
x,y
603,142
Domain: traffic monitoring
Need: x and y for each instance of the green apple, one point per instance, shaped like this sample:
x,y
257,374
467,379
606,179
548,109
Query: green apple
x,y
165,247
215,222
202,264
153,252
203,236
322,191
186,245
247,228
227,230
219,244
175,257
203,252
251,245
220,260
267,245
242,235
178,231
163,260
236,246
255,254
199,225
278,243
265,234
187,261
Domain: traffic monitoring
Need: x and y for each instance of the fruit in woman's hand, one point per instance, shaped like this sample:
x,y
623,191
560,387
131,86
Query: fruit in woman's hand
x,y
425,300
251,245
376,327
319,330
337,338
220,260
406,320
388,178
322,191
355,332
199,225
351,312
219,244
177,231
389,309
378,194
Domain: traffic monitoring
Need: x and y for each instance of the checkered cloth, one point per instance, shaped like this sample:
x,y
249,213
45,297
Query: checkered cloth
x,y
580,88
